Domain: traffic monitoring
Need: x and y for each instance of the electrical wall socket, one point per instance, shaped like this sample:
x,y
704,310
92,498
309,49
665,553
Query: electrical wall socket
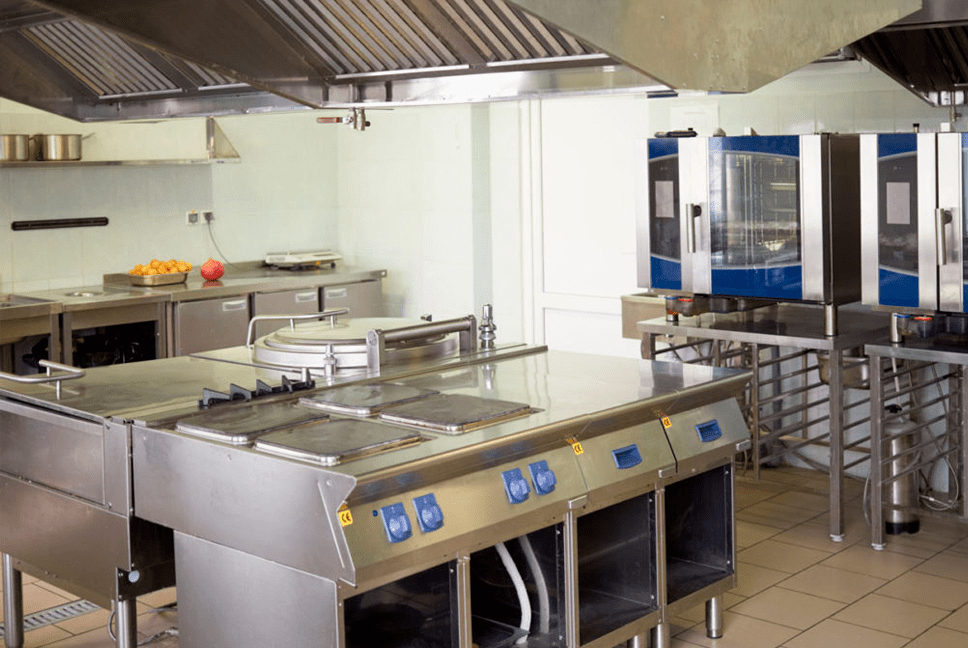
x,y
208,216
191,218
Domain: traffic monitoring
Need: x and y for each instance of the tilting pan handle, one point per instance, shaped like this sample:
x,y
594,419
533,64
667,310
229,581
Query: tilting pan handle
x,y
70,373
331,314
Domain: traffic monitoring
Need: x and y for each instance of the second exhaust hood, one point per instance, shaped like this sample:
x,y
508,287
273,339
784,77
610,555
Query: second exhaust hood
x,y
118,59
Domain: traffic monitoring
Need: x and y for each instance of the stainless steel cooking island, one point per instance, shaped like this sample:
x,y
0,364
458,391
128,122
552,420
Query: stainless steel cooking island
x,y
473,497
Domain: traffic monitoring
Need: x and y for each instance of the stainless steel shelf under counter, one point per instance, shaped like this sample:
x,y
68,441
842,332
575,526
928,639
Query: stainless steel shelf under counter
x,y
919,392
808,390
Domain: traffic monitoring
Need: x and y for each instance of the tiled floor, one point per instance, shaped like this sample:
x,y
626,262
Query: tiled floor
x,y
797,589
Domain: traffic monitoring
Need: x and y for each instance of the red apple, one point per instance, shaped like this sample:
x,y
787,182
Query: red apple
x,y
212,269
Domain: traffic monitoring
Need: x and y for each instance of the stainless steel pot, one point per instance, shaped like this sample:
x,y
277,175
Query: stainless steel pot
x,y
58,147
13,148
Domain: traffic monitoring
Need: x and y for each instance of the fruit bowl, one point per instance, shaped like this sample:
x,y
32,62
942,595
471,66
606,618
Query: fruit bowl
x,y
158,279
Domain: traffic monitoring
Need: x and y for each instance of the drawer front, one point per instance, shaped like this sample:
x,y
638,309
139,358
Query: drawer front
x,y
210,324
363,299
60,452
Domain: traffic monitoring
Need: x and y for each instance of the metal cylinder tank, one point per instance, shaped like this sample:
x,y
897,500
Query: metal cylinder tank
x,y
901,495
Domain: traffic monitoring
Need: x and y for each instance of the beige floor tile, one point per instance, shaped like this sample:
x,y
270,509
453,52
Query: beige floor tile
x,y
56,590
679,643
927,589
960,547
781,556
86,622
749,533
36,598
748,495
789,608
949,564
941,527
891,615
44,636
92,639
920,545
751,579
834,584
800,499
776,515
837,634
817,536
940,638
865,560
741,632
159,598
958,620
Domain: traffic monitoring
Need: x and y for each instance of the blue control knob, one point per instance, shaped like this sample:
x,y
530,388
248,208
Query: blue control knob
x,y
396,523
515,485
543,477
430,517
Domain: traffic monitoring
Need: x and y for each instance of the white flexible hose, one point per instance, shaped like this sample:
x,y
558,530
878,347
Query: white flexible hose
x,y
523,599
544,606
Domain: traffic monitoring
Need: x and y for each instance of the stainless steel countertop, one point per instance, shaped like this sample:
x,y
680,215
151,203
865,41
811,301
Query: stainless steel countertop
x,y
790,325
239,279
927,350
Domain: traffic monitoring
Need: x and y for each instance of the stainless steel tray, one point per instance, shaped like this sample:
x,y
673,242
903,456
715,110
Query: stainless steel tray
x,y
338,441
365,400
158,279
240,424
454,413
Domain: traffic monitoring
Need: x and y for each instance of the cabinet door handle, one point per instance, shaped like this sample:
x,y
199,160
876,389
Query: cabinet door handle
x,y
335,293
942,218
306,297
693,212
238,304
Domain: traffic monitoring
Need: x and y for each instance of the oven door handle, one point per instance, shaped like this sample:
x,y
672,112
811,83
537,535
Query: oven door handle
x,y
693,211
69,373
330,314
942,217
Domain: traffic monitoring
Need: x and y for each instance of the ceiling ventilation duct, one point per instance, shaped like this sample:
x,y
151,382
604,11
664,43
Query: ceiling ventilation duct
x,y
118,59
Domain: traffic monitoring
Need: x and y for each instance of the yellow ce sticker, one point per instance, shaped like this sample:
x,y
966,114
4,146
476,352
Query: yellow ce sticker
x,y
576,446
345,516
666,422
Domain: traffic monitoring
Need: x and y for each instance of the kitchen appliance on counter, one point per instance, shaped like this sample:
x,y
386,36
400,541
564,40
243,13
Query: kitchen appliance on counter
x,y
366,510
726,222
303,260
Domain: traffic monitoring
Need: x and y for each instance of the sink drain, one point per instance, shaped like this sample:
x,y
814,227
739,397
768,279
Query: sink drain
x,y
55,615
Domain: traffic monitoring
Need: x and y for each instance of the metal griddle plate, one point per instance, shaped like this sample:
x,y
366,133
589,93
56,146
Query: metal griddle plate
x,y
240,424
337,441
454,413
365,400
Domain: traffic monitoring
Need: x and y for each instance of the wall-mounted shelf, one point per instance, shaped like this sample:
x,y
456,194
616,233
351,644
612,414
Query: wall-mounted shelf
x,y
220,151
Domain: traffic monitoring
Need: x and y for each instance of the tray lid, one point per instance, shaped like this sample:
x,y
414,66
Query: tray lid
x,y
240,424
365,400
336,441
454,413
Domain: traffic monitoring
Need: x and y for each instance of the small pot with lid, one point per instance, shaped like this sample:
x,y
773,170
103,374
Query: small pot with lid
x,y
14,148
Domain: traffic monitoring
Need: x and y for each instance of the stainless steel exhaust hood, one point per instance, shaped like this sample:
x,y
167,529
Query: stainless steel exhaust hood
x,y
117,59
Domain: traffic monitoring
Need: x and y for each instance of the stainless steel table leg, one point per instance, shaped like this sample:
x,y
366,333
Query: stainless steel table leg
x,y
13,605
639,641
662,635
876,471
836,412
714,617
127,622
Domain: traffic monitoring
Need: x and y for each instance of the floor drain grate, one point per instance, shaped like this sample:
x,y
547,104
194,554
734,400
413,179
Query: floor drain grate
x,y
56,615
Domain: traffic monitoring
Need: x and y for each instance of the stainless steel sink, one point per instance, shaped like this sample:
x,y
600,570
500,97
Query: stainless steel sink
x,y
18,306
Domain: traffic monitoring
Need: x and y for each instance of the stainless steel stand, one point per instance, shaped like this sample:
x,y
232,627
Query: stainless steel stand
x,y
13,605
127,622
781,404
662,635
714,617
897,374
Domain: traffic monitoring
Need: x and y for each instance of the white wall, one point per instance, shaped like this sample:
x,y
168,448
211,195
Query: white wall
x,y
282,195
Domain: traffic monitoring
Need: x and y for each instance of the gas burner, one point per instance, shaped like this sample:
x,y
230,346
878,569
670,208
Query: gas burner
x,y
212,397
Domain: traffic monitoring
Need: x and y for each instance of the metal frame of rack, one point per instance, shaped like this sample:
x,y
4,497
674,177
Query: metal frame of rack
x,y
898,373
787,408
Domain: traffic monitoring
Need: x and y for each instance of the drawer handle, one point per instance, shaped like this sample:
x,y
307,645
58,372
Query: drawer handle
x,y
302,298
235,305
335,293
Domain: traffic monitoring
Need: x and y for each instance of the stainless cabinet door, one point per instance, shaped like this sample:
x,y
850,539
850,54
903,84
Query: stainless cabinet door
x,y
286,302
363,299
210,324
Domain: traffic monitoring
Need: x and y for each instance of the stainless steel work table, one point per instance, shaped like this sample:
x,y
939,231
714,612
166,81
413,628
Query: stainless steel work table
x,y
889,365
738,339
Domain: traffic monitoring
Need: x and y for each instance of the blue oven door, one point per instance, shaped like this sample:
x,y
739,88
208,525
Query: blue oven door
x,y
755,221
660,244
